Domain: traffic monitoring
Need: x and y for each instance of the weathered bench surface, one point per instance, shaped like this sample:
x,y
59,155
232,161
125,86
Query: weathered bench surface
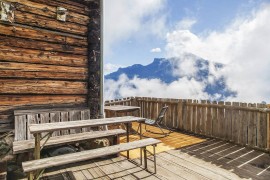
x,y
51,127
85,155
26,145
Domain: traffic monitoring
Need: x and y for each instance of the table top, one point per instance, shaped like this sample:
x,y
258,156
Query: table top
x,y
121,108
51,127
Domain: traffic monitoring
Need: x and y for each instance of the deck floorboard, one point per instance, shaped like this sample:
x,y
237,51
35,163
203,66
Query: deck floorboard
x,y
180,156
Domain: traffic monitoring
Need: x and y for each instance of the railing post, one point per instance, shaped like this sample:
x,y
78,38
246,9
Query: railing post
x,y
268,130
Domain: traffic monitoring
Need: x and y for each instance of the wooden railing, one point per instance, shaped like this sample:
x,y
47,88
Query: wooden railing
x,y
241,123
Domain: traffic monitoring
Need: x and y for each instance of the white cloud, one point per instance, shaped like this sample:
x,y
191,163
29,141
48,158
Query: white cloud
x,y
183,88
185,24
243,46
156,50
109,68
124,18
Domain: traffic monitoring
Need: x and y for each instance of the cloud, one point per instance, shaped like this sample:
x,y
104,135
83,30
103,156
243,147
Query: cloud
x,y
186,23
243,46
124,18
156,50
183,88
109,68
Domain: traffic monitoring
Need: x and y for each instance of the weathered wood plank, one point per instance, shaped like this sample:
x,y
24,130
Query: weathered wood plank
x,y
41,45
48,11
179,114
199,120
64,118
228,121
20,100
215,120
38,71
85,114
50,127
29,32
48,23
20,128
31,119
14,86
41,57
244,125
75,116
203,118
50,110
208,131
79,10
221,124
235,123
54,118
86,155
252,127
262,129
27,145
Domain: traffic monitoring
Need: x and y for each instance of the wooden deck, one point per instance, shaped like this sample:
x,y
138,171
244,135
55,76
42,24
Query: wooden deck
x,y
180,156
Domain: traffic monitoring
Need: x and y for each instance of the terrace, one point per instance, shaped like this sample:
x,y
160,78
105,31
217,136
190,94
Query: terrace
x,y
193,150
51,62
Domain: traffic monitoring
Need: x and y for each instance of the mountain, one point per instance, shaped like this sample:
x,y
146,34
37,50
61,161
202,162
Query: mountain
x,y
169,70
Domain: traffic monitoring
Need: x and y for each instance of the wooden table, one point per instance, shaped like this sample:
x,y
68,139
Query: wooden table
x,y
37,129
115,110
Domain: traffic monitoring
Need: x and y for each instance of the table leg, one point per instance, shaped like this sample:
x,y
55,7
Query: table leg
x,y
127,126
36,154
145,158
37,145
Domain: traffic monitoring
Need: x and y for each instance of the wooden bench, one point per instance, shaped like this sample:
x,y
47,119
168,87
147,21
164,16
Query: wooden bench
x,y
39,164
24,140
45,130
29,145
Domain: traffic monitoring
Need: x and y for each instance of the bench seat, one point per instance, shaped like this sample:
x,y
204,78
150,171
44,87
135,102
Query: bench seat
x,y
34,165
27,145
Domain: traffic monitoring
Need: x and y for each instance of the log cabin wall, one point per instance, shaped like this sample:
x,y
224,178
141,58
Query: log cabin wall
x,y
45,62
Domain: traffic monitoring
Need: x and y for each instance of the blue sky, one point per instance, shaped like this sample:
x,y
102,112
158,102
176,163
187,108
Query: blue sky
x,y
233,32
210,15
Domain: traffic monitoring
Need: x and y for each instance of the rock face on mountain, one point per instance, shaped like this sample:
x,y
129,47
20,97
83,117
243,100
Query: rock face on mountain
x,y
170,70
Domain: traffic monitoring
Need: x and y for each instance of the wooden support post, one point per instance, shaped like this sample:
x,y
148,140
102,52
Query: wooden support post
x,y
140,126
116,140
145,158
127,126
155,159
268,130
36,154
37,145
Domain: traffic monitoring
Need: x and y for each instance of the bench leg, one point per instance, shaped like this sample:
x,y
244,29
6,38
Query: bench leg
x,y
116,140
155,160
145,158
127,126
31,176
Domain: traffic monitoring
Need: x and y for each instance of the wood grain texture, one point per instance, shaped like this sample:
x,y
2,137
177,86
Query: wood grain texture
x,y
14,54
29,32
39,71
41,45
50,127
27,145
48,11
14,86
21,100
48,23
86,155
